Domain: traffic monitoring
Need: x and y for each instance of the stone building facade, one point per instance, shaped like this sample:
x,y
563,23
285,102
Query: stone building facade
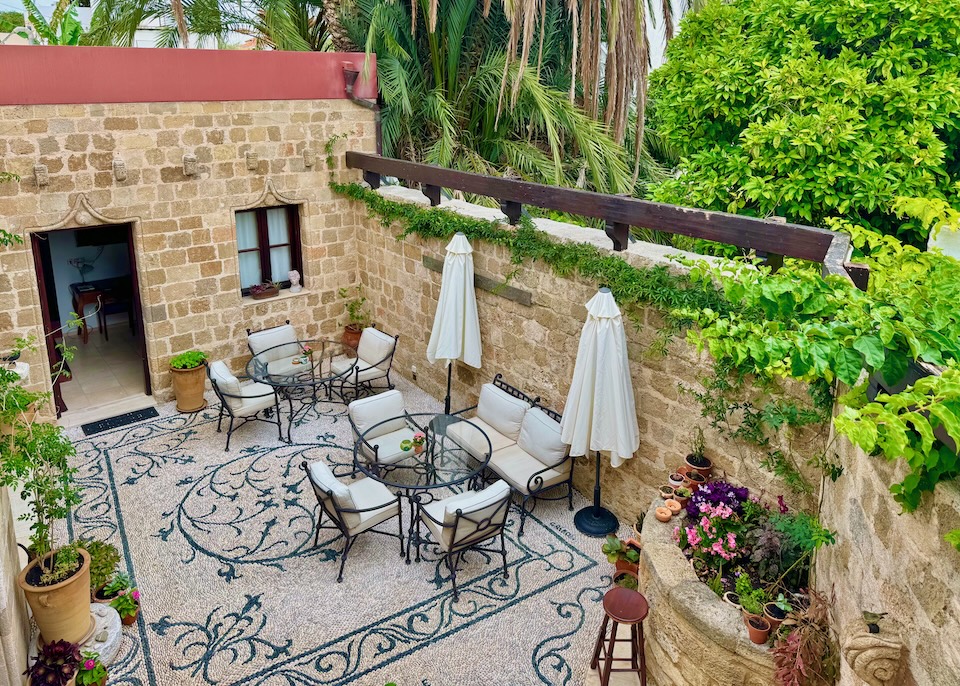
x,y
178,171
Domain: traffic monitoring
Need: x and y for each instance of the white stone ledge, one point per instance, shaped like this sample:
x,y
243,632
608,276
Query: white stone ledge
x,y
638,253
285,294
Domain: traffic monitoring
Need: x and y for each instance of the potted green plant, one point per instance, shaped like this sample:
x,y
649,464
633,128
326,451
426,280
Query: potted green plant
x,y
696,460
626,578
682,495
267,289
91,672
638,526
776,611
56,582
189,374
104,559
619,554
127,604
56,665
751,599
358,318
111,589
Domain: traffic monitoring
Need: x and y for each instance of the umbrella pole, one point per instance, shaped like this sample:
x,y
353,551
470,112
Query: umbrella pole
x,y
595,520
446,401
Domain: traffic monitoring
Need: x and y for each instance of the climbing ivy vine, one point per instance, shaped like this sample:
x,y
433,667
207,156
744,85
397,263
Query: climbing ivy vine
x,y
762,327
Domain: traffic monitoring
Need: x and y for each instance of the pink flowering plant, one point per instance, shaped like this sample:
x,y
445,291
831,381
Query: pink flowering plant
x,y
419,438
127,602
711,535
91,670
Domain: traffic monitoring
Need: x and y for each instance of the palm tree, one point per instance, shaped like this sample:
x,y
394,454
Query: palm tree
x,y
276,24
64,27
445,101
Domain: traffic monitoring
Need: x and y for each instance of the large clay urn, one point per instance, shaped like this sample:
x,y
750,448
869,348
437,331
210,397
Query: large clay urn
x,y
62,610
188,385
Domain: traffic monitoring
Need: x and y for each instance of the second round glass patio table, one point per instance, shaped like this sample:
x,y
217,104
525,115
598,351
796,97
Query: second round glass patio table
x,y
303,370
426,476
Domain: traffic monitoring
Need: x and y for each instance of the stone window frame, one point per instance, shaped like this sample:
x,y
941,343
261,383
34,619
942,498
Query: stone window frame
x,y
263,246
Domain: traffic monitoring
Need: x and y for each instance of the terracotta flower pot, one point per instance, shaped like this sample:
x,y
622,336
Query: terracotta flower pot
x,y
702,466
351,336
694,481
681,499
130,619
98,596
667,491
188,388
673,506
758,627
731,598
62,610
662,514
773,614
626,566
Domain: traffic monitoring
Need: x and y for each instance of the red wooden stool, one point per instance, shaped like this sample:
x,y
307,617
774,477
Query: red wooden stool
x,y
623,606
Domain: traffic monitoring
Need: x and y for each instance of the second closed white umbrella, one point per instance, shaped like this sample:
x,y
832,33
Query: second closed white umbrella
x,y
456,325
600,413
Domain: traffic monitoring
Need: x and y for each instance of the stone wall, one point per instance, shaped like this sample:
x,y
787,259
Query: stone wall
x,y
534,347
247,154
692,637
885,561
14,620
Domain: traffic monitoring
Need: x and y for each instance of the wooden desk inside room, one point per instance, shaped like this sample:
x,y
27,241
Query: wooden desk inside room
x,y
103,293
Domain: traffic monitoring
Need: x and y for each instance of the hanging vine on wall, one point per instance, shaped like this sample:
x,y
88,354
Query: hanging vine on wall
x,y
795,324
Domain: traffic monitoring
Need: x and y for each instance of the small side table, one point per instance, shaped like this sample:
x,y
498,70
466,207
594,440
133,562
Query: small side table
x,y
622,606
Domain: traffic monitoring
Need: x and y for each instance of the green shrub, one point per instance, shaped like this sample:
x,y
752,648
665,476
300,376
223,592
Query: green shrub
x,y
188,360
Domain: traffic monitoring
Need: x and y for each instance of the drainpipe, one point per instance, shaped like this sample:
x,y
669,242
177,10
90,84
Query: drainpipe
x,y
350,75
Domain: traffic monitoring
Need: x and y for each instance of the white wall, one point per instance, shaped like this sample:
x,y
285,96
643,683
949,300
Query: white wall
x,y
63,246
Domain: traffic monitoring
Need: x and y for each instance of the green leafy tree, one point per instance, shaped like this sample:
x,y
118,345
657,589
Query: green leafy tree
x,y
813,108
64,27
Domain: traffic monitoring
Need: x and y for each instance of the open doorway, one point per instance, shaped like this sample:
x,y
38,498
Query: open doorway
x,y
92,272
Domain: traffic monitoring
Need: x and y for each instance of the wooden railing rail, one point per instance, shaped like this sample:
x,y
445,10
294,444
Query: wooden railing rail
x,y
771,239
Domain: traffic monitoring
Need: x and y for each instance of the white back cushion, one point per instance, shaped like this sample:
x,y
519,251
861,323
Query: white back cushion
x,y
501,410
374,346
478,506
226,382
324,478
540,436
259,341
367,412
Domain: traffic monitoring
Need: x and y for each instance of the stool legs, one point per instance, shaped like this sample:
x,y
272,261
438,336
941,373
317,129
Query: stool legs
x,y
606,644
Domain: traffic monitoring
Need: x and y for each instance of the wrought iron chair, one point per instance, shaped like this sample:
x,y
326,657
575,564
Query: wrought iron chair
x,y
276,347
381,439
352,509
243,401
374,361
465,521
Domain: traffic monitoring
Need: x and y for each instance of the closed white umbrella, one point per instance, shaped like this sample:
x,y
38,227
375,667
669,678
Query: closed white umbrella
x,y
600,414
456,326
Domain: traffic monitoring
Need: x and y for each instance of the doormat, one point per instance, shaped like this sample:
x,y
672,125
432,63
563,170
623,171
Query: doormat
x,y
119,420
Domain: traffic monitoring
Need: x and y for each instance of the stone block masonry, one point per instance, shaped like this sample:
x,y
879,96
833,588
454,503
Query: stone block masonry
x,y
183,223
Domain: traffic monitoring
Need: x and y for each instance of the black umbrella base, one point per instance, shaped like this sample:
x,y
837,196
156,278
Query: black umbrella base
x,y
595,521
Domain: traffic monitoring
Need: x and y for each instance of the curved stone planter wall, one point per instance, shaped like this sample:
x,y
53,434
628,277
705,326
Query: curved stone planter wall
x,y
692,637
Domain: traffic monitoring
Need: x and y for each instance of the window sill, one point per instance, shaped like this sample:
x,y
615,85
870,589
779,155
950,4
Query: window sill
x,y
285,294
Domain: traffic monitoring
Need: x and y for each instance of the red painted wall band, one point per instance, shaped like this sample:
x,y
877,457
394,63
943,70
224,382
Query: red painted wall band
x,y
44,75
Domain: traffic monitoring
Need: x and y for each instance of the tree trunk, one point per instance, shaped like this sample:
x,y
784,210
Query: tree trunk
x,y
176,8
338,34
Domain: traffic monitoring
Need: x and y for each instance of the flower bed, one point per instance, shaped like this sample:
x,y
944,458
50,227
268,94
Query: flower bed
x,y
738,545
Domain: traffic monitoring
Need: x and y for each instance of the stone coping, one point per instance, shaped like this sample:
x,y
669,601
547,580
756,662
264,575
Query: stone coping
x,y
669,570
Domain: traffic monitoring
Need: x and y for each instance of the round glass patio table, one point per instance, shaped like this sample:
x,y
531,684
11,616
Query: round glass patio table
x,y
443,463
305,371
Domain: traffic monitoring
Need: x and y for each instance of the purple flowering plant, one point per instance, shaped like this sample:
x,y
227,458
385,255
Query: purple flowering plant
x,y
718,493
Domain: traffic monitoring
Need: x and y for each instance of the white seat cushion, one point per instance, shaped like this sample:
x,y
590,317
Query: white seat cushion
x,y
540,436
363,371
268,339
468,437
375,346
501,410
227,383
369,493
516,466
388,446
321,474
368,412
255,397
478,506
283,367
